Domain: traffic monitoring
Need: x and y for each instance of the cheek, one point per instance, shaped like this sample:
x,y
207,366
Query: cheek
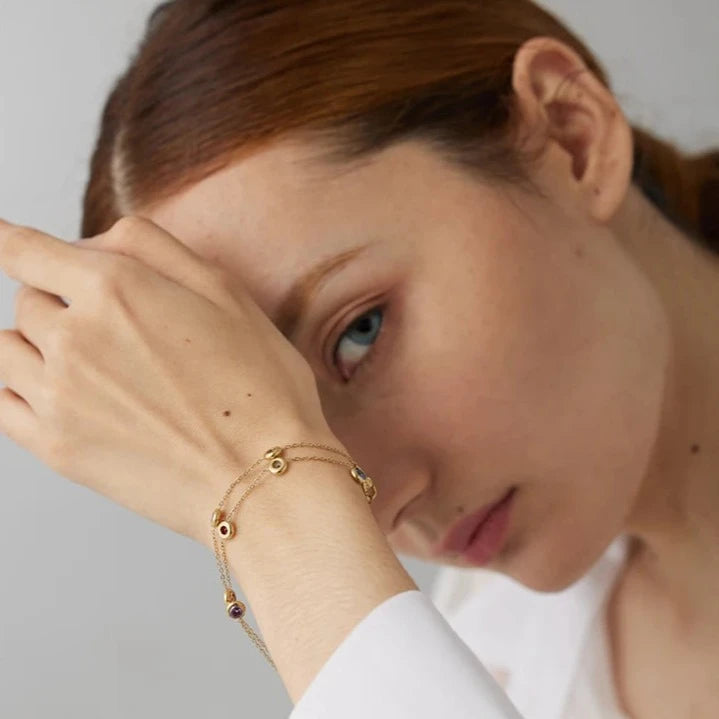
x,y
541,369
546,371
564,397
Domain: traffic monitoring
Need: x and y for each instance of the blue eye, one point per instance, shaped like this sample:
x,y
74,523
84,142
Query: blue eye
x,y
356,342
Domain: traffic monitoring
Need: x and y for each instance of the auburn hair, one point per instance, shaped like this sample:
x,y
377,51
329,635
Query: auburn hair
x,y
213,80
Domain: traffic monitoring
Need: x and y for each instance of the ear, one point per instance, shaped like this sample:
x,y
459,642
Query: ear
x,y
563,105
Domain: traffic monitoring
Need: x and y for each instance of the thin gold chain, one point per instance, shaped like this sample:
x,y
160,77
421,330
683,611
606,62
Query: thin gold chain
x,y
235,608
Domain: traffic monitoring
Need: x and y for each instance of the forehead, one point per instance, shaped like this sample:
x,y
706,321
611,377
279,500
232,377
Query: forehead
x,y
273,215
262,217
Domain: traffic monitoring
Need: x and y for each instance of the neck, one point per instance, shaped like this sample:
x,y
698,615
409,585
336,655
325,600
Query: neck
x,y
675,521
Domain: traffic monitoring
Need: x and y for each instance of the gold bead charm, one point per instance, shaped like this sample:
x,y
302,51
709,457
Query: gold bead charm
x,y
370,491
229,596
226,530
217,516
274,452
278,465
365,481
358,474
236,610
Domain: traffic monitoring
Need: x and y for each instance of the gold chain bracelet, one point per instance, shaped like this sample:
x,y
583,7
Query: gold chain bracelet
x,y
223,529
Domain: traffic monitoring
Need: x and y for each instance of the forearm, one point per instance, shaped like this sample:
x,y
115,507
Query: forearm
x,y
312,563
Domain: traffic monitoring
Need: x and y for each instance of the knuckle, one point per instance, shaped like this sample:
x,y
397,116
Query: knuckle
x,y
127,231
214,274
221,283
51,395
59,450
60,341
54,398
9,339
208,278
16,238
109,276
219,278
21,297
59,403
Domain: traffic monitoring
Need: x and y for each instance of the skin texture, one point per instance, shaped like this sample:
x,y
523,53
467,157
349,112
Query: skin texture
x,y
486,374
559,342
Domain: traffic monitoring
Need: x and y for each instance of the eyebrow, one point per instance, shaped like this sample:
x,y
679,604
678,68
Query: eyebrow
x,y
293,308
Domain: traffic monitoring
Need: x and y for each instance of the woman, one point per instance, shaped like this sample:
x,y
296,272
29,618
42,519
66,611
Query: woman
x,y
423,233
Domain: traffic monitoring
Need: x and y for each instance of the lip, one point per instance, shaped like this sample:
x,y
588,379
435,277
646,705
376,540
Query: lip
x,y
458,537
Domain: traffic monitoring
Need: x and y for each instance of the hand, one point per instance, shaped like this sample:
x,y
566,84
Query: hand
x,y
161,380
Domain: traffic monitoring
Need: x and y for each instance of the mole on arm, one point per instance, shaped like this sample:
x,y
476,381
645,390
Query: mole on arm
x,y
695,449
227,413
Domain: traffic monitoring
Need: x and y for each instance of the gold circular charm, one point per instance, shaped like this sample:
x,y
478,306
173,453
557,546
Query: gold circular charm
x,y
217,517
226,530
229,596
274,452
236,610
278,465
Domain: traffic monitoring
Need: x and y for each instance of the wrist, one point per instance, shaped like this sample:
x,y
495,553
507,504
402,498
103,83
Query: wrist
x,y
310,561
222,472
296,518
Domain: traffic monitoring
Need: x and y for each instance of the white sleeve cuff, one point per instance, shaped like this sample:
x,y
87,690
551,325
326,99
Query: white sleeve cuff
x,y
404,661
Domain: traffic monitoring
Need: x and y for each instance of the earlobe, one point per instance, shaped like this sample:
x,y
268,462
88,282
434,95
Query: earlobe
x,y
562,103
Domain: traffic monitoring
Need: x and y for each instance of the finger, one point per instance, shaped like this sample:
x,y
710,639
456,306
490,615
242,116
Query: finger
x,y
37,314
143,240
17,420
43,261
22,367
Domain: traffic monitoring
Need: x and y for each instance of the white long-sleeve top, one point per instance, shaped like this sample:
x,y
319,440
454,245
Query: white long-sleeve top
x,y
481,646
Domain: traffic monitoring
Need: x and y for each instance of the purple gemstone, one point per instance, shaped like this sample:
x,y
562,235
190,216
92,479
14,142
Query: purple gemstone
x,y
360,473
236,611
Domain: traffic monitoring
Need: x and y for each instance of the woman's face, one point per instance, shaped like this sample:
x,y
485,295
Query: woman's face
x,y
486,338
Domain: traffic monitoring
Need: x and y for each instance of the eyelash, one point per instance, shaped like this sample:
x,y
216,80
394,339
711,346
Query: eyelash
x,y
372,351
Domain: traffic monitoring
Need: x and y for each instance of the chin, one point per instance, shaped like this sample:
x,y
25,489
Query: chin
x,y
552,565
